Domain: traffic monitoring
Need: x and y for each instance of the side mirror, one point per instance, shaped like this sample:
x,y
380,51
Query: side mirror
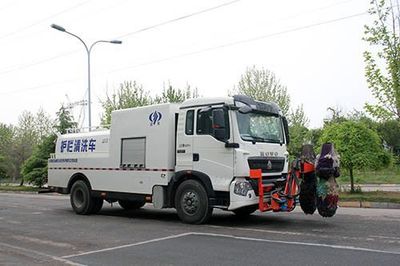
x,y
286,128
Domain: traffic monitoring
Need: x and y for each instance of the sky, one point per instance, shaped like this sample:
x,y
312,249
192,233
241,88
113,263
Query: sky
x,y
314,47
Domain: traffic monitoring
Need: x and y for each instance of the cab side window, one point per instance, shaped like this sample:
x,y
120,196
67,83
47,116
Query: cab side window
x,y
189,124
214,122
204,122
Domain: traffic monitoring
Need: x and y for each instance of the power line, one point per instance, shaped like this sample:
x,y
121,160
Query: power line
x,y
207,49
178,19
241,42
21,67
8,5
119,37
40,86
43,20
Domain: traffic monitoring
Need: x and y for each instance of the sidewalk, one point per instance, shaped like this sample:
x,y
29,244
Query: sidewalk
x,y
367,204
373,187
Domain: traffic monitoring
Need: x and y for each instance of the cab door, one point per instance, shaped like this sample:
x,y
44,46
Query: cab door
x,y
210,156
184,142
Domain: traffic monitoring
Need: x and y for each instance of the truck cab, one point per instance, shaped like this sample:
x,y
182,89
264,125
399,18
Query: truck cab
x,y
223,138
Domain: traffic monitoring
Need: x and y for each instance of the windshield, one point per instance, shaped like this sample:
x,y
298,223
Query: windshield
x,y
260,127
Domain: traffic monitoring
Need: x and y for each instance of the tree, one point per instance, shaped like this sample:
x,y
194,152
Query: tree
x,y
390,133
360,116
34,169
358,146
299,133
3,167
64,120
383,61
6,144
30,131
44,125
130,94
298,117
26,138
263,85
314,136
176,95
336,115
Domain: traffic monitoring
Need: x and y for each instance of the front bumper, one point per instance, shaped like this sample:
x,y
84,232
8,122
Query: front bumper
x,y
241,200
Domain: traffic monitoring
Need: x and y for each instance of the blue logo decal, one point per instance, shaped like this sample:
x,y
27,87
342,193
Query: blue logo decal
x,y
78,145
155,118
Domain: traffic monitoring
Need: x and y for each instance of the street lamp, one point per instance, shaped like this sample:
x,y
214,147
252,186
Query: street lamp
x,y
88,51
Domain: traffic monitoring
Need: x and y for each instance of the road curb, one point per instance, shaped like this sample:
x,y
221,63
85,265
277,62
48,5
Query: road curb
x,y
18,192
369,204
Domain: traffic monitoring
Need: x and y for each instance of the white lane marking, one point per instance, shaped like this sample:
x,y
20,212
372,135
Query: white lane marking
x,y
13,222
126,246
259,230
386,237
319,235
43,241
41,254
299,243
234,237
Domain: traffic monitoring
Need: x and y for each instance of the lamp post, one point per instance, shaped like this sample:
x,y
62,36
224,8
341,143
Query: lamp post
x,y
88,51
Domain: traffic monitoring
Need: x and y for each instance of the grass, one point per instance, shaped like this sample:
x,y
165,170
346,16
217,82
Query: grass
x,y
376,196
389,175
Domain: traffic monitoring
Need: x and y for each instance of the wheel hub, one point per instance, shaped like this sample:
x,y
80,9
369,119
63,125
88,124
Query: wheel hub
x,y
78,198
190,202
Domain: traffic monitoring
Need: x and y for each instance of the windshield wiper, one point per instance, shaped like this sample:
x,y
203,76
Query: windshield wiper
x,y
253,138
259,139
273,140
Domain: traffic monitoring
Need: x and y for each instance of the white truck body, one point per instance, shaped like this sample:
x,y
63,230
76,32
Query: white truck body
x,y
149,150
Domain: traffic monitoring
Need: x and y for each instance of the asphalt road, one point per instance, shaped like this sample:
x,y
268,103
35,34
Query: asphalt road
x,y
43,230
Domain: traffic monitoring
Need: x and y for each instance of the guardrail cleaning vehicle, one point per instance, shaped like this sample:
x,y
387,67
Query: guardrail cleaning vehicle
x,y
228,153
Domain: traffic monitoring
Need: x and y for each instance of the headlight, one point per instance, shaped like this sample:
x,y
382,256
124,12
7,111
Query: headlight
x,y
241,188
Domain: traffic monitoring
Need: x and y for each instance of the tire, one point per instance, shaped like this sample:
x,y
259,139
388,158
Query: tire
x,y
97,204
308,194
131,205
80,198
192,203
245,211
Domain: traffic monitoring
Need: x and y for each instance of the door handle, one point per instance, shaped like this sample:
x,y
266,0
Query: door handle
x,y
196,157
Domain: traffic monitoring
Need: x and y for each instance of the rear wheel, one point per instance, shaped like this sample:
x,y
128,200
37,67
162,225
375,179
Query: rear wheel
x,y
80,198
192,203
245,211
131,205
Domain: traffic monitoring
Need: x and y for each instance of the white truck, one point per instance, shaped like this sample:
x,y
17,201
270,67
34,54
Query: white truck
x,y
193,156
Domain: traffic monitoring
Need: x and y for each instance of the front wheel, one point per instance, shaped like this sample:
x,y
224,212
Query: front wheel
x,y
192,203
